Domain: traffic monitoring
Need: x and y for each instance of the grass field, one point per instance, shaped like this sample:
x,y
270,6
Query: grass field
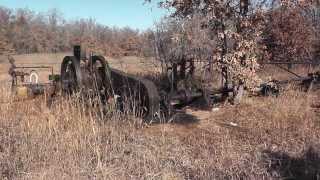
x,y
262,138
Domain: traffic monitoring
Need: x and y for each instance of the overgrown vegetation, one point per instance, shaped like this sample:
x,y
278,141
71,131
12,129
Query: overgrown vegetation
x,y
234,36
272,138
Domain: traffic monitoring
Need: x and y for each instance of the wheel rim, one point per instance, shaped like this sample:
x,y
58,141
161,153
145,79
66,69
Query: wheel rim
x,y
71,78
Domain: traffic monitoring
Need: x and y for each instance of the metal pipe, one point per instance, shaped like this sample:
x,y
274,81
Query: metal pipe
x,y
77,52
34,67
298,62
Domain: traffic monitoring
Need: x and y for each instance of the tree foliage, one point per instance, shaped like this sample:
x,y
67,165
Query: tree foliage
x,y
30,32
238,34
289,33
227,30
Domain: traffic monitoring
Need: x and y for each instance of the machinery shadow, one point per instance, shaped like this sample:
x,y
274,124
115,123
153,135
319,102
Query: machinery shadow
x,y
183,118
306,167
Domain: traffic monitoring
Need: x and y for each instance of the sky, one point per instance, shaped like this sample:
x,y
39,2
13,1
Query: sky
x,y
119,13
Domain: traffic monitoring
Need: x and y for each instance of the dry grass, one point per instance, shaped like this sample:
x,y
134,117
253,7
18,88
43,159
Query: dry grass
x,y
71,141
263,138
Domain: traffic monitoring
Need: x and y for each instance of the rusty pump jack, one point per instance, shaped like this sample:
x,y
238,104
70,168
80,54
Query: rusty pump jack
x,y
93,77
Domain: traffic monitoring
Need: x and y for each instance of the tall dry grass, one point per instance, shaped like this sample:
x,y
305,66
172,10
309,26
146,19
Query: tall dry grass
x,y
274,138
263,138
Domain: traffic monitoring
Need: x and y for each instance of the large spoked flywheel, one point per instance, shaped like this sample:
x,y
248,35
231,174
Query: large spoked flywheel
x,y
99,75
95,80
71,77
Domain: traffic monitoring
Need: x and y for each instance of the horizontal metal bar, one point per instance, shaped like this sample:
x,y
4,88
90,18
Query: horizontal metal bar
x,y
298,62
31,84
288,70
294,80
38,64
34,67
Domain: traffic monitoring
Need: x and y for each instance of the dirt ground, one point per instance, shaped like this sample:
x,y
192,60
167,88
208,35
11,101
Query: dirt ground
x,y
262,138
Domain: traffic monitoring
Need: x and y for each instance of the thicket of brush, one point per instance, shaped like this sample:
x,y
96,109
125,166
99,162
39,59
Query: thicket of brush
x,y
273,138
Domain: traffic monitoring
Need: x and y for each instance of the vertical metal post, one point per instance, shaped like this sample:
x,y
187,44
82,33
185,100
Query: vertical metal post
x,y
77,51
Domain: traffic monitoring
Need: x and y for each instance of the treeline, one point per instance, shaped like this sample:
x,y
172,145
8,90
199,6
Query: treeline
x,y
280,30
25,31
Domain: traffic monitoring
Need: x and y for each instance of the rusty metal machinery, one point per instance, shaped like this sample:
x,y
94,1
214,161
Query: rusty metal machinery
x,y
92,77
26,80
141,94
307,83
